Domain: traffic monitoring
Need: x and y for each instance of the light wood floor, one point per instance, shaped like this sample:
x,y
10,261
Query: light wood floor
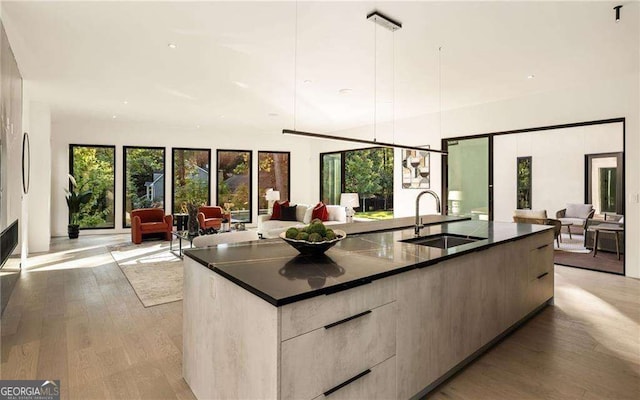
x,y
73,316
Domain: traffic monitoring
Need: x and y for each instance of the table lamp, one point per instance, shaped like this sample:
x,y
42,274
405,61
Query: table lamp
x,y
349,201
271,196
455,197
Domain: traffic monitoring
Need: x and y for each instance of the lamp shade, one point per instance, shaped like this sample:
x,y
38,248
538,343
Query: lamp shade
x,y
349,200
272,195
455,195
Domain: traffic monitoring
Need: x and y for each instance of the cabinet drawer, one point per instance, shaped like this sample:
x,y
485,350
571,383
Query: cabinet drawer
x,y
378,384
307,315
319,360
540,239
540,290
540,261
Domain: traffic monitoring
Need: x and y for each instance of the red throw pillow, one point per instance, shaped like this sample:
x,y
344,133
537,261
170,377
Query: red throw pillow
x,y
277,209
320,212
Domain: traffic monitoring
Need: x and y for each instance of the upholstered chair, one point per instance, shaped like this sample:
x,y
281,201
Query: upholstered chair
x,y
210,217
150,220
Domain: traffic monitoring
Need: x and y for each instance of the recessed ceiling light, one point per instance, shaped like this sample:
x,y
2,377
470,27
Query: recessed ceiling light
x,y
125,102
114,116
307,81
221,116
172,45
345,91
531,76
197,126
272,114
241,84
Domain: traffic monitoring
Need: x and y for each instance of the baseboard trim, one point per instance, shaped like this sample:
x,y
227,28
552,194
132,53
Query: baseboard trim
x,y
462,364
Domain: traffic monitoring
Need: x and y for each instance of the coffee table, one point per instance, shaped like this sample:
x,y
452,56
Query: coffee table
x,y
609,228
180,235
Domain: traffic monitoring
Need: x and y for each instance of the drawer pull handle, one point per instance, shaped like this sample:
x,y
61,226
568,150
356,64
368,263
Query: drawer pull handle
x,y
542,247
345,383
342,321
543,275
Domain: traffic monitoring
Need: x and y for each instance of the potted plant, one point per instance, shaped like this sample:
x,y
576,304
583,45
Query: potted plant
x,y
75,199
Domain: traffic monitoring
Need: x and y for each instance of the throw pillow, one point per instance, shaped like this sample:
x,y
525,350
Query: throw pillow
x,y
277,207
320,212
288,213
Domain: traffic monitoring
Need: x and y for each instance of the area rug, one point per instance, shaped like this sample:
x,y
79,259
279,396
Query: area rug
x,y
572,253
154,273
575,244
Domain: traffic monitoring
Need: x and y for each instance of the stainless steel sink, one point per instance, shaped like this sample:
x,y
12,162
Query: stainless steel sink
x,y
442,240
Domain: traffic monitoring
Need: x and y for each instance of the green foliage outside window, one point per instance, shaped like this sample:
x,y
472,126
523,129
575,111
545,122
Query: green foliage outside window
x,y
369,172
144,169
93,169
234,182
190,178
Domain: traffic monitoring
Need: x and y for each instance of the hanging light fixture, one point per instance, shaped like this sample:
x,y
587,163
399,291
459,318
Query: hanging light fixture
x,y
617,8
388,23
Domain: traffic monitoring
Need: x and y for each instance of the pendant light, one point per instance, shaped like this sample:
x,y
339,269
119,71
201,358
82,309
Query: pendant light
x,y
387,23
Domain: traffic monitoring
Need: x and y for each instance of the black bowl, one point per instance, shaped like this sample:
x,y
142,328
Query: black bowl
x,y
305,247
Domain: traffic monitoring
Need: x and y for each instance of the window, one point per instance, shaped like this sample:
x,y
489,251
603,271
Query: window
x,y
93,167
234,183
273,172
191,178
143,179
524,183
368,172
331,178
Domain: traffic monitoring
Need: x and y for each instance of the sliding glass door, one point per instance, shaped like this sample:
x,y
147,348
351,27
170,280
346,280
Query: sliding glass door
x,y
467,177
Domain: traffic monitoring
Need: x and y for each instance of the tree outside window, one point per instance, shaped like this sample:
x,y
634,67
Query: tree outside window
x,y
234,183
191,178
93,168
144,179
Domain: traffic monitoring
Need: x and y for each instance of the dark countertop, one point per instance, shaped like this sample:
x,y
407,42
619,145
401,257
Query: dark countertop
x,y
276,272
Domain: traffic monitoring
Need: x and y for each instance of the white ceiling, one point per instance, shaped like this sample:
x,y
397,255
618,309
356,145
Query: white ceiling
x,y
235,62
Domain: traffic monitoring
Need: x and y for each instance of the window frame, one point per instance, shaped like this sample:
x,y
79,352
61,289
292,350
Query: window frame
x,y
115,163
288,175
218,151
173,184
124,178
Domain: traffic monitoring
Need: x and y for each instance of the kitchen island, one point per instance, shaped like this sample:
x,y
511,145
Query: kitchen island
x,y
376,317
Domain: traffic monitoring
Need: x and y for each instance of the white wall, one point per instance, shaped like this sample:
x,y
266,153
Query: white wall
x,y
119,133
557,165
38,200
600,100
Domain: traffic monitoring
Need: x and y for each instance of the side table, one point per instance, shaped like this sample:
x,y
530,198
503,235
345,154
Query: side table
x,y
180,235
181,221
608,228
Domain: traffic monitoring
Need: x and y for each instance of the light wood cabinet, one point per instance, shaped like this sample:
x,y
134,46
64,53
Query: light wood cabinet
x,y
391,338
450,310
322,359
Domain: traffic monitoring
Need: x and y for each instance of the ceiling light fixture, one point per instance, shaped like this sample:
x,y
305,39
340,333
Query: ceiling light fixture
x,y
384,21
172,45
241,84
617,8
531,76
381,20
125,102
307,81
114,116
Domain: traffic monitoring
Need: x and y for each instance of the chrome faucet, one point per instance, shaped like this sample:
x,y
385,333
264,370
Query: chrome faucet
x,y
418,222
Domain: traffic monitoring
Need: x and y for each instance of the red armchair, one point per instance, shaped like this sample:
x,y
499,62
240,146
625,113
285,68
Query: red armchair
x,y
210,217
150,220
